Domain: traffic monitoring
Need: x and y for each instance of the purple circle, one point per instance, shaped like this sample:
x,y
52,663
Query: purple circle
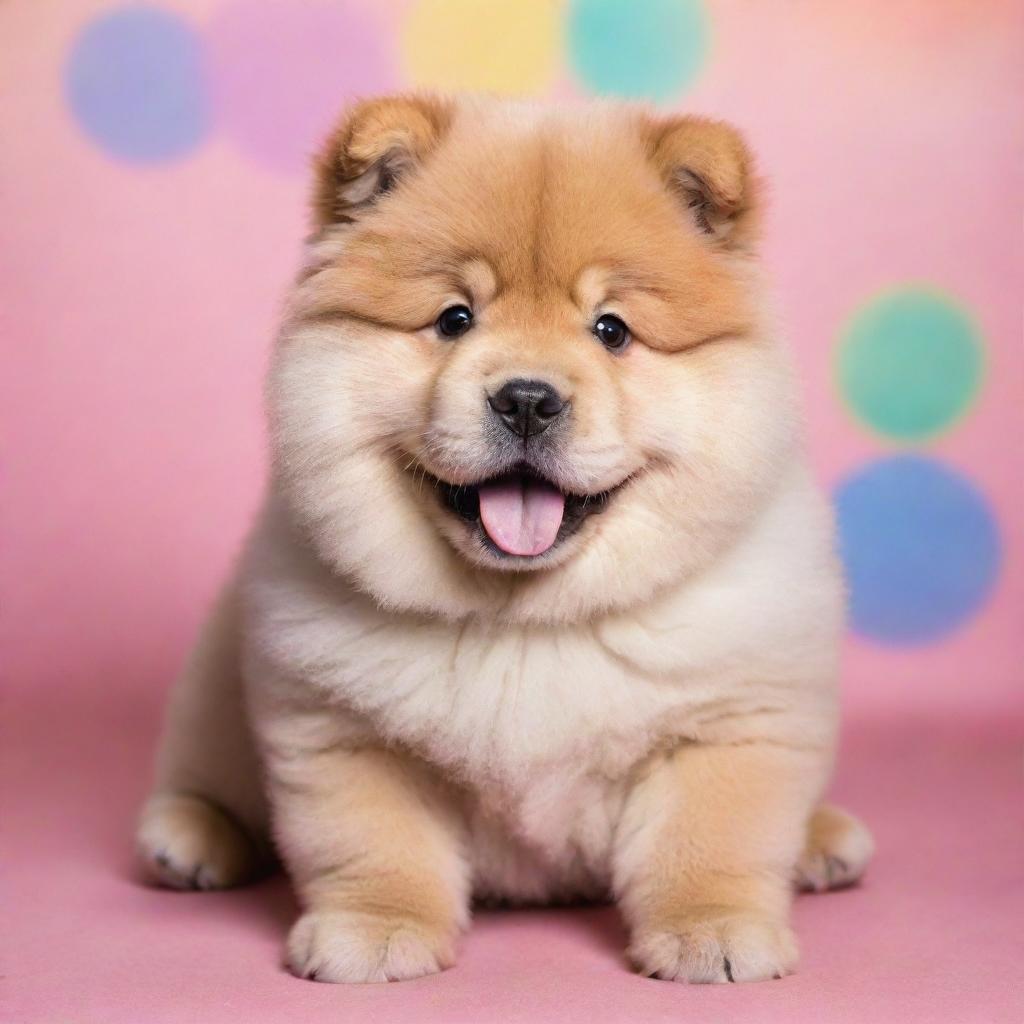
x,y
280,72
921,547
134,81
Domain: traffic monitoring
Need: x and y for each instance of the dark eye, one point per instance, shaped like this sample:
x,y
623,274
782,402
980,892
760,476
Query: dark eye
x,y
611,331
455,320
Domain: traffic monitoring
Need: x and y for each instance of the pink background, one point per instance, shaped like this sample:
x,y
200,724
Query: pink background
x,y
137,304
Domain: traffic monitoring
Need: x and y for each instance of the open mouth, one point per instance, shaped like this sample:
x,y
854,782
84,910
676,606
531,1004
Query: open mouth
x,y
521,514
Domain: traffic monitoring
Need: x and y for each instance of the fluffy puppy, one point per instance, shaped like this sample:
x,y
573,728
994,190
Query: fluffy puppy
x,y
543,603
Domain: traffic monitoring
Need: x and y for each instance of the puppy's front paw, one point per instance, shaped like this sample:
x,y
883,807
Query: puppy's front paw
x,y
715,944
348,946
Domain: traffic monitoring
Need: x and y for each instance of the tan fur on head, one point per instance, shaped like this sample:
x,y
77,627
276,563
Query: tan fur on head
x,y
641,708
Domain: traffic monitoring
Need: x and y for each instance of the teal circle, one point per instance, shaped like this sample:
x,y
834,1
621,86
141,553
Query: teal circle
x,y
910,363
641,49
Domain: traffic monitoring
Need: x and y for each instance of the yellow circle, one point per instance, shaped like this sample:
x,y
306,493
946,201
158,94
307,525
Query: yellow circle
x,y
503,46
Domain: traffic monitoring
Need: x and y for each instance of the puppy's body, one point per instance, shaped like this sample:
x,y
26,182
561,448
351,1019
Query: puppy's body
x,y
645,707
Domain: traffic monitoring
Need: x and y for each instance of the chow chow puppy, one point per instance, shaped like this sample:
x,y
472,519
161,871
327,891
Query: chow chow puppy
x,y
543,603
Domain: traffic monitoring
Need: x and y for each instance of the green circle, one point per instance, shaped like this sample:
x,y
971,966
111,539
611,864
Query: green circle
x,y
910,363
641,49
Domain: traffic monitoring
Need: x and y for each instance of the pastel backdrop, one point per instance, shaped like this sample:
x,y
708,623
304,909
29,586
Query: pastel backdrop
x,y
154,179
152,203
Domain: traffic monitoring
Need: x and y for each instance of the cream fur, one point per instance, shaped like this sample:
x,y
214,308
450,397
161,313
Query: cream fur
x,y
649,712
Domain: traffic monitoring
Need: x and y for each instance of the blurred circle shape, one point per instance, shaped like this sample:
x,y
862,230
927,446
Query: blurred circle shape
x,y
920,546
281,71
639,49
134,82
910,363
502,46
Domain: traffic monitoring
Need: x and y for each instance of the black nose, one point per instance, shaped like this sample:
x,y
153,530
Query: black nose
x,y
527,407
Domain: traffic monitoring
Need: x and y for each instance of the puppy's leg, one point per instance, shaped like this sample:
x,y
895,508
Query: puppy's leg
x,y
704,860
374,848
205,822
837,850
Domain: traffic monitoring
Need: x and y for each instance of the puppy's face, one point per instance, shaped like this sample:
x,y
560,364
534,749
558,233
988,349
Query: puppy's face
x,y
524,367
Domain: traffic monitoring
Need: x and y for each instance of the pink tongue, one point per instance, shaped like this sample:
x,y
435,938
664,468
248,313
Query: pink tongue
x,y
521,515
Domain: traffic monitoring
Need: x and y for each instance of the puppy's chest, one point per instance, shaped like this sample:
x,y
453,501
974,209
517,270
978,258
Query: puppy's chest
x,y
505,706
493,708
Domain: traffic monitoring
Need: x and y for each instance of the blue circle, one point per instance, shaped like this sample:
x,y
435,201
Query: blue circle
x,y
641,49
134,82
921,549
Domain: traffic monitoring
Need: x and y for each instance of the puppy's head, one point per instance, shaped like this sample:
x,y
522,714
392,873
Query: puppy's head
x,y
525,369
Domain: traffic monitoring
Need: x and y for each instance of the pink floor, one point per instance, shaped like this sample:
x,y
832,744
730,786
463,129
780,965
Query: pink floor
x,y
933,935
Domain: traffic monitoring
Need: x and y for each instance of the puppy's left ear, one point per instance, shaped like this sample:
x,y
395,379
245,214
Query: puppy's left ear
x,y
708,166
377,142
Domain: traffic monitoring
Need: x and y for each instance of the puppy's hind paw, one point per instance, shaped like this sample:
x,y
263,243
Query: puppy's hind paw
x,y
837,853
187,843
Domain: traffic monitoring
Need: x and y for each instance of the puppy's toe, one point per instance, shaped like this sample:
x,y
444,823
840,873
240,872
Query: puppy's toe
x,y
343,946
716,945
187,843
837,853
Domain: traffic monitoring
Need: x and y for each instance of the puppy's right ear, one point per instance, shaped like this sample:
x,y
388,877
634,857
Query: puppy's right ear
x,y
377,142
